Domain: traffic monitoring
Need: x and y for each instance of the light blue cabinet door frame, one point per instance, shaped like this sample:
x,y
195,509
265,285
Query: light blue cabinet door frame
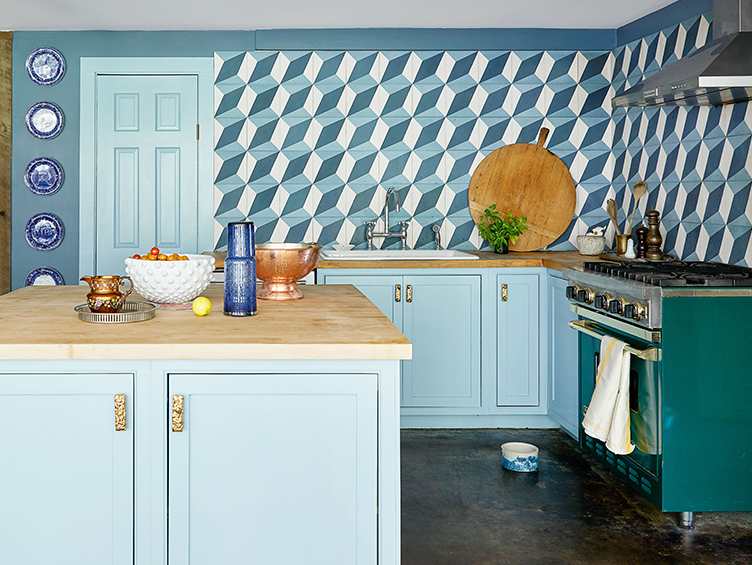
x,y
381,290
274,469
203,68
66,474
443,322
564,358
518,340
148,414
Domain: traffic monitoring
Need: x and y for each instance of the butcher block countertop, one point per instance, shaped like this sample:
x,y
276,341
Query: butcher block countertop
x,y
331,322
556,260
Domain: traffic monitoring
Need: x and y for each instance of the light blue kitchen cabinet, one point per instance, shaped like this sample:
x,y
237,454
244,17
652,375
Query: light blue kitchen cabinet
x,y
273,468
441,315
66,469
517,340
563,360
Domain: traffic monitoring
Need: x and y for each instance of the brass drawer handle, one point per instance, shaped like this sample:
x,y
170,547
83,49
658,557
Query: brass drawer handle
x,y
409,293
177,413
504,293
397,292
119,412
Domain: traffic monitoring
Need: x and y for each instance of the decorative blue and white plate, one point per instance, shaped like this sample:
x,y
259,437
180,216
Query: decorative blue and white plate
x,y
44,231
45,66
44,276
44,120
43,176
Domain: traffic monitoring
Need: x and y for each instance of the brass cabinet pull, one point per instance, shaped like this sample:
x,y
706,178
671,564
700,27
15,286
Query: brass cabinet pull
x,y
504,292
119,412
177,413
409,293
397,292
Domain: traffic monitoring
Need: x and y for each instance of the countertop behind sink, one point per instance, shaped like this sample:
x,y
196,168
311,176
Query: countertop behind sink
x,y
486,259
556,260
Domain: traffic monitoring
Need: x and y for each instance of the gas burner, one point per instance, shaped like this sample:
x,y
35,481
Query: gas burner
x,y
676,274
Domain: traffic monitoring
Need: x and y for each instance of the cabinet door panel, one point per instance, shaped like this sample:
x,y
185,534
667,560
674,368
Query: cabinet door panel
x,y
274,469
563,358
66,475
518,341
443,323
378,289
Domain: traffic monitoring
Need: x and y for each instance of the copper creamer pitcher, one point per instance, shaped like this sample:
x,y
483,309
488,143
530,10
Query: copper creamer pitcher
x,y
105,296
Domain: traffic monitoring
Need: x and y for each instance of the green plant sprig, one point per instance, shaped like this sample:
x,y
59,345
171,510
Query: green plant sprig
x,y
499,231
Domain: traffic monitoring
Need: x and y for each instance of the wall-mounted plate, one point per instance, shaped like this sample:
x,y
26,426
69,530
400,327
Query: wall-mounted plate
x,y
44,231
44,276
44,120
45,66
43,176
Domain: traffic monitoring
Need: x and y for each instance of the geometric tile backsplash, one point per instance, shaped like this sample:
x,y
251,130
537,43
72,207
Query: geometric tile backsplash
x,y
308,142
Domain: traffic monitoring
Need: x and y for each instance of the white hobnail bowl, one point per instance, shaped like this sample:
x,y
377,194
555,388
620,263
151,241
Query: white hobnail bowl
x,y
170,282
591,244
518,456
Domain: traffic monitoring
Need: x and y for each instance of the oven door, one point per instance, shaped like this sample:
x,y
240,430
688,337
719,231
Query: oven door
x,y
641,468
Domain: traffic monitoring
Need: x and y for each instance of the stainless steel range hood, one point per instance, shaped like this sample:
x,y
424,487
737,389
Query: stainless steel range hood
x,y
718,73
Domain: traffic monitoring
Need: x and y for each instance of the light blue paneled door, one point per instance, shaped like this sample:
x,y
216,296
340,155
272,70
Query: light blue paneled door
x,y
442,321
274,469
518,339
66,473
147,167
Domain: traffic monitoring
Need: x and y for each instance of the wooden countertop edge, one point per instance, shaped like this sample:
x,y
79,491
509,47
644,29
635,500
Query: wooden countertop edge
x,y
212,351
555,260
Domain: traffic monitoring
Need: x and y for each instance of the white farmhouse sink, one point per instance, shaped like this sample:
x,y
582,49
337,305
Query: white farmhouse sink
x,y
395,255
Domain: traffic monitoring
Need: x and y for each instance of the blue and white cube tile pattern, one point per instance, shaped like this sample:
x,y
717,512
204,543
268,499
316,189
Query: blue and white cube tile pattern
x,y
696,160
307,143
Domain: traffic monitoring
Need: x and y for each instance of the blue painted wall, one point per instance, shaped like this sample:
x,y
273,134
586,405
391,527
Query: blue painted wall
x,y
65,147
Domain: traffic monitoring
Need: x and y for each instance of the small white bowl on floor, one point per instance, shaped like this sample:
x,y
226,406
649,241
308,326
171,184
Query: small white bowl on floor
x,y
517,456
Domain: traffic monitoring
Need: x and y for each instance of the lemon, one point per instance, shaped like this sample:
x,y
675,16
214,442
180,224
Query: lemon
x,y
202,306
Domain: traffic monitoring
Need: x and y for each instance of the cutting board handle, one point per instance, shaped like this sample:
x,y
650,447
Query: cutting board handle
x,y
542,136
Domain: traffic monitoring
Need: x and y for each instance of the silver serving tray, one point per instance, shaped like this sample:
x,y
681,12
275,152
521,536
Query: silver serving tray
x,y
131,312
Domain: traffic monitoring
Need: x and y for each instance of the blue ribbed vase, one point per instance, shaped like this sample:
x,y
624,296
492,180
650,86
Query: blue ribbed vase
x,y
240,270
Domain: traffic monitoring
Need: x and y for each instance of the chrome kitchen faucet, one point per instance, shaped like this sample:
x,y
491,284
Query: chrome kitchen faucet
x,y
371,226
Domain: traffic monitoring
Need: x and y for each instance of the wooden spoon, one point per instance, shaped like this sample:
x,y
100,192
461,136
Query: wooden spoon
x,y
639,190
613,214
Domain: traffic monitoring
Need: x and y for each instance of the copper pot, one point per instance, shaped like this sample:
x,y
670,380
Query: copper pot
x,y
281,265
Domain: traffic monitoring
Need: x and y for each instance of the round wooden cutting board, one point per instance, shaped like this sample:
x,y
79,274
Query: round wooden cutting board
x,y
526,180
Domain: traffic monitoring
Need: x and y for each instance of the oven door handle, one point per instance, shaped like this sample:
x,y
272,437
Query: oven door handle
x,y
648,354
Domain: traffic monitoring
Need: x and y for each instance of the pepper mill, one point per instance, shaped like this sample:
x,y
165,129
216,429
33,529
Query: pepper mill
x,y
642,245
654,238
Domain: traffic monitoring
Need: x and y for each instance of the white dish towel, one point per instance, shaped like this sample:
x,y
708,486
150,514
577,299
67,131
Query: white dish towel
x,y
607,417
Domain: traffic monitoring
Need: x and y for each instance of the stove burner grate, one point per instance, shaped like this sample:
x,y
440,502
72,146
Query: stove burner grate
x,y
676,274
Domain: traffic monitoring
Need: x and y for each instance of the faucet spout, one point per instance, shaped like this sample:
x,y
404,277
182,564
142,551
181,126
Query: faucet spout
x,y
370,226
390,191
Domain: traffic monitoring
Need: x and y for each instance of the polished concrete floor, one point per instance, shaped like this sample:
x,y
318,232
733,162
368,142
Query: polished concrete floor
x,y
459,506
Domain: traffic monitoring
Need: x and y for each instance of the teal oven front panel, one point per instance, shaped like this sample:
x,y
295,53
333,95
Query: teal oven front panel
x,y
642,468
707,404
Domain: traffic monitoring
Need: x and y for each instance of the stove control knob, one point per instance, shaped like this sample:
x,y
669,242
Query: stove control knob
x,y
634,311
602,300
616,306
572,292
585,295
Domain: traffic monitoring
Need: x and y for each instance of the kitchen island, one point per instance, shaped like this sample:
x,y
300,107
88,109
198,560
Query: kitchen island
x,y
269,439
